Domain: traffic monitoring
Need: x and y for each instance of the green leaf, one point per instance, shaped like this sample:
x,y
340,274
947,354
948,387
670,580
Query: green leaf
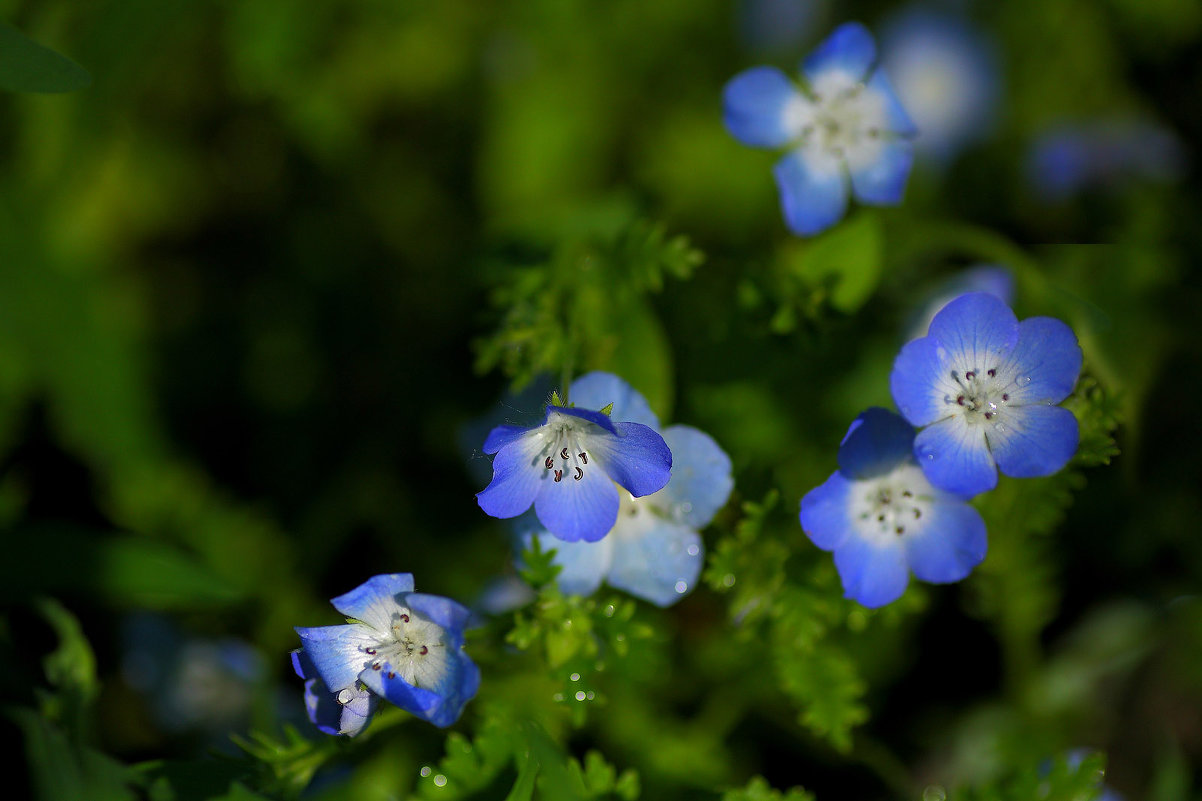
x,y
61,769
758,789
70,669
847,259
26,66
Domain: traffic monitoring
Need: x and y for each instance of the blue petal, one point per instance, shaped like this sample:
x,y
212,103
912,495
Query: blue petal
x,y
596,390
701,477
374,601
849,49
441,709
872,573
918,381
302,665
883,182
955,457
977,329
594,417
336,652
824,512
357,714
1045,362
584,564
657,561
517,471
1034,440
501,436
812,199
877,441
759,108
579,510
949,545
451,615
897,119
323,709
638,459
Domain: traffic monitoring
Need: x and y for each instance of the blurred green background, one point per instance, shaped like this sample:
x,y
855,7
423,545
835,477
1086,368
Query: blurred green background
x,y
249,284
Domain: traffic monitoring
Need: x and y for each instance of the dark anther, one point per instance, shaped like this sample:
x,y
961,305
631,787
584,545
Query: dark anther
x,y
960,399
563,454
549,463
970,375
584,457
376,666
405,618
907,494
988,415
900,529
880,518
579,473
558,476
424,651
1005,396
917,513
992,373
391,675
370,651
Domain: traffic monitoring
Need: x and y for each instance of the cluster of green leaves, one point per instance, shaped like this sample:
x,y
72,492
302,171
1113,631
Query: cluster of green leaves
x,y
1063,779
584,307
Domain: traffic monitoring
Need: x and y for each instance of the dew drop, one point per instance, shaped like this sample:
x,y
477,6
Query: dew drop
x,y
557,697
934,793
581,695
1023,380
609,610
694,550
440,780
728,580
681,587
425,771
345,696
591,695
575,677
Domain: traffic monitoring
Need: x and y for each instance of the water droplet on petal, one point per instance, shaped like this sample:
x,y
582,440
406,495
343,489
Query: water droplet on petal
x,y
345,696
681,587
1000,428
1023,380
694,550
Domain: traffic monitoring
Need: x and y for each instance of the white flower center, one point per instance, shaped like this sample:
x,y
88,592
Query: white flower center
x,y
982,395
889,506
846,121
563,451
414,648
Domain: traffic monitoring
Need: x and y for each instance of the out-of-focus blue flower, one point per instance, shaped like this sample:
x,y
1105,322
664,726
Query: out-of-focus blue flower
x,y
989,278
566,467
653,551
779,25
883,519
985,385
190,683
400,645
947,77
1071,158
846,123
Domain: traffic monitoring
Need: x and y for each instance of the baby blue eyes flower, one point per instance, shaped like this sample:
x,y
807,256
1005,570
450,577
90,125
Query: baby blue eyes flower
x,y
883,519
946,75
567,467
653,551
403,646
846,125
985,385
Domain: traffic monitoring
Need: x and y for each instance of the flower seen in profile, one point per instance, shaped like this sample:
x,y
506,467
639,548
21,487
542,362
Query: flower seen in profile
x,y
653,551
567,468
403,646
845,126
883,519
985,387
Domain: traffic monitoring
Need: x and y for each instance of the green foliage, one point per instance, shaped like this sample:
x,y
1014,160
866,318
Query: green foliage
x,y
758,789
1061,781
285,765
64,768
572,309
26,66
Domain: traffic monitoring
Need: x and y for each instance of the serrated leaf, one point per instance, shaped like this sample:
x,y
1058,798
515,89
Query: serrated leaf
x,y
847,258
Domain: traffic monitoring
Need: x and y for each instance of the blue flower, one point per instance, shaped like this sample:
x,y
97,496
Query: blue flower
x,y
1103,153
985,385
400,645
567,467
946,75
653,551
883,519
848,123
